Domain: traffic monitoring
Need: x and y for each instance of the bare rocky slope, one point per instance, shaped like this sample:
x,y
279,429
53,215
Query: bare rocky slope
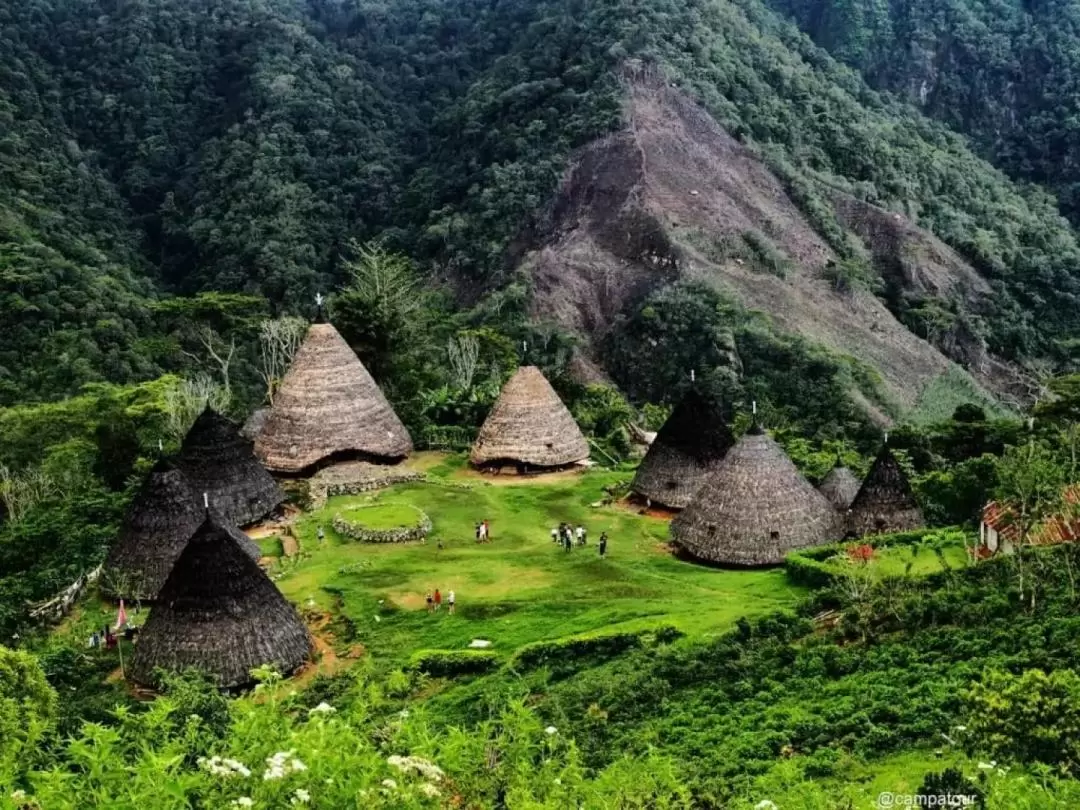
x,y
672,196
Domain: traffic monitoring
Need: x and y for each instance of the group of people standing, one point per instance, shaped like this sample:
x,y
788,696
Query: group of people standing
x,y
569,536
435,600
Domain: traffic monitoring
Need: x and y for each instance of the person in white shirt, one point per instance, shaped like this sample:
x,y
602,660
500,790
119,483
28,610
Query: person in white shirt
x,y
579,533
450,598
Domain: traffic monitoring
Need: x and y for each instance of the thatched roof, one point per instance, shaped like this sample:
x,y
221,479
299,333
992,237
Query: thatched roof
x,y
328,405
218,612
885,502
159,522
529,425
753,509
839,486
692,441
219,461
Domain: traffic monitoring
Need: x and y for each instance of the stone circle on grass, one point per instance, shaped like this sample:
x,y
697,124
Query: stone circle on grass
x,y
383,523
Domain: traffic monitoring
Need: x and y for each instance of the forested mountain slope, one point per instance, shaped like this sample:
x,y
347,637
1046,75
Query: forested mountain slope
x,y
174,146
674,197
1005,73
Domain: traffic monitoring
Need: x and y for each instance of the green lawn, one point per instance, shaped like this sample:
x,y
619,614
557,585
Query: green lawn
x,y
937,551
521,587
375,514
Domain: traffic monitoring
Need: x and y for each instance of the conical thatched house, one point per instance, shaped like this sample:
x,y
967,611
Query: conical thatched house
x,y
885,502
692,442
219,613
329,406
219,461
529,426
157,526
839,486
753,509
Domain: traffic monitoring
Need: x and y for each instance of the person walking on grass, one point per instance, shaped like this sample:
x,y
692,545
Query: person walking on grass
x,y
321,535
579,534
603,544
430,602
554,534
487,530
479,534
438,600
450,600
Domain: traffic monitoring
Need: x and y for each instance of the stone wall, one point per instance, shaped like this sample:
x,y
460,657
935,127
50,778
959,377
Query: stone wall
x,y
355,530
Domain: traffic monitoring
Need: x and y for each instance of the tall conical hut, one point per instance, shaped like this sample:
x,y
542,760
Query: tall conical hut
x,y
693,440
885,502
839,486
329,407
219,613
219,461
529,428
753,509
161,519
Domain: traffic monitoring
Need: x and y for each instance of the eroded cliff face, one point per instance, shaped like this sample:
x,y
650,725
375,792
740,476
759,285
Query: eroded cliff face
x,y
673,196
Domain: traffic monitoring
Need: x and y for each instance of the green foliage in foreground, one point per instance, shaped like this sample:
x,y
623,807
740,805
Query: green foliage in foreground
x,y
27,707
271,751
889,677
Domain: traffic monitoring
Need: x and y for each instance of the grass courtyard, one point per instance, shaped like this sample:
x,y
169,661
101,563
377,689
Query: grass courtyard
x,y
520,587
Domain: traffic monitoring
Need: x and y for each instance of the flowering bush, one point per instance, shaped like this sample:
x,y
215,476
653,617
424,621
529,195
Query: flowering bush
x,y
360,752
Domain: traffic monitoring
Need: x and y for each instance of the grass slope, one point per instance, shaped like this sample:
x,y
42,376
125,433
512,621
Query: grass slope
x,y
521,587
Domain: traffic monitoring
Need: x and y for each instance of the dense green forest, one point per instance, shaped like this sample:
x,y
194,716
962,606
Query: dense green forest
x,y
176,147
1003,73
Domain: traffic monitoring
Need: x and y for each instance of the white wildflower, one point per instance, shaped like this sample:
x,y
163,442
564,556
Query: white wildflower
x,y
986,766
322,708
301,796
223,767
550,730
403,713
18,794
243,801
558,781
282,764
961,728
390,784
428,770
430,790
765,804
377,619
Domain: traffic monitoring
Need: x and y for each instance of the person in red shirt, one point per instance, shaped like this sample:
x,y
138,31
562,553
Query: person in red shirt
x,y
438,600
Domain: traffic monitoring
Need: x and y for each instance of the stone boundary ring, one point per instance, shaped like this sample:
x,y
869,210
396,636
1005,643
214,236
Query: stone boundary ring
x,y
356,528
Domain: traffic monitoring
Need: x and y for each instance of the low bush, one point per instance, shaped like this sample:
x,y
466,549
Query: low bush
x,y
580,650
451,663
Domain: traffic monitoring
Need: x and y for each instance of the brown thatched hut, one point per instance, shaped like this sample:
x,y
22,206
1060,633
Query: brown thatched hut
x,y
839,486
753,509
692,442
219,613
529,427
219,461
885,502
157,526
327,407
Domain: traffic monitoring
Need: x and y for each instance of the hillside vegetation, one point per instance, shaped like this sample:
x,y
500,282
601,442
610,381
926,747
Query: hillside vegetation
x,y
177,146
